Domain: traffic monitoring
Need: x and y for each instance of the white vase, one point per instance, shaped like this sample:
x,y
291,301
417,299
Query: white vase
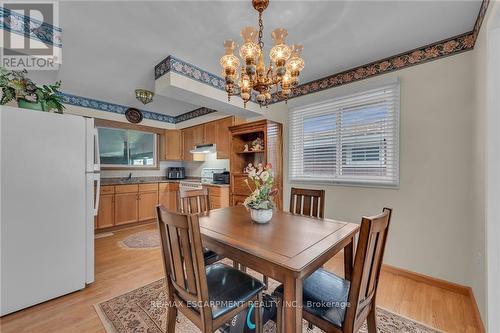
x,y
261,215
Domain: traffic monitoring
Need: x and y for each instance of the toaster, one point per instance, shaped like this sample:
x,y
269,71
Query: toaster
x,y
176,173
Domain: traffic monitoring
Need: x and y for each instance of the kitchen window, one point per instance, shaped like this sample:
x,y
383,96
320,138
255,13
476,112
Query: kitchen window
x,y
124,148
352,140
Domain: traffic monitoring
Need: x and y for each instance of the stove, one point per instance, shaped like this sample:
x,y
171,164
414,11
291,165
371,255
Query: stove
x,y
189,185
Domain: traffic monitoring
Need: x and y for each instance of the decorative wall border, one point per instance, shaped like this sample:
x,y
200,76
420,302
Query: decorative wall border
x,y
24,26
448,47
178,66
120,109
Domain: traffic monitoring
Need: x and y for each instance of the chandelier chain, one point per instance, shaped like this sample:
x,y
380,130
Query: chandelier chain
x,y
261,32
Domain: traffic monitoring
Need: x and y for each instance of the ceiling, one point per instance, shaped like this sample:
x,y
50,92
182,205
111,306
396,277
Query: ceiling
x,y
110,48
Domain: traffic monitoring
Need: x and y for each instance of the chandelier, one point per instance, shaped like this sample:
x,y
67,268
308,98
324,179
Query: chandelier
x,y
285,63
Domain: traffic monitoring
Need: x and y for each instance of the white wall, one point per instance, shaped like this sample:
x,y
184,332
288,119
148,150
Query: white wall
x,y
485,231
432,208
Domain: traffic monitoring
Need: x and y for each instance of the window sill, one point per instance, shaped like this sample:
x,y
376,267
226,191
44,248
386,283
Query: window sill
x,y
345,183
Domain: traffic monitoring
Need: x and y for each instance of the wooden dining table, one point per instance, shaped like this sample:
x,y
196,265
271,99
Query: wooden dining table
x,y
287,249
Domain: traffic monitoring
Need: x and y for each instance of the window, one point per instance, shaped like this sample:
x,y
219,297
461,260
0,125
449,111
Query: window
x,y
349,140
122,148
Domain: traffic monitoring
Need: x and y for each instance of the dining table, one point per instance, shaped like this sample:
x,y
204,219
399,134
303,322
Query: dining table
x,y
287,249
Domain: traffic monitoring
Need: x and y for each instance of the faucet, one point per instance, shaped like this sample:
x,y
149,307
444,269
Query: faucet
x,y
129,177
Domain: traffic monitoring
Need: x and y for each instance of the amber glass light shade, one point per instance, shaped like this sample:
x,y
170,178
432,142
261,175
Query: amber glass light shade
x,y
229,62
295,64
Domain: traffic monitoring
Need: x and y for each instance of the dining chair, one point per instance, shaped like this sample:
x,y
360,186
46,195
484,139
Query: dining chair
x,y
197,202
337,305
307,202
208,296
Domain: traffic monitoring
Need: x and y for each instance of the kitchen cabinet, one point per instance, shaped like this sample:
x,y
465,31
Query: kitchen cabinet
x,y
223,137
147,201
126,210
168,195
192,136
210,132
218,196
106,212
172,145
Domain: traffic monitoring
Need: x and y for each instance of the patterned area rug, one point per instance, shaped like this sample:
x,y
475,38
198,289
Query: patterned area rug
x,y
142,240
143,310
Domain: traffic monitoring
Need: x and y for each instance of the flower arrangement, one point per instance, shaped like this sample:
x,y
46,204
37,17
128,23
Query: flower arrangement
x,y
16,86
262,180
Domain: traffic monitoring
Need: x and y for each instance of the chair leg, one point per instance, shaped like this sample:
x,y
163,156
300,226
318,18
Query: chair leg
x,y
171,319
310,326
265,279
258,315
371,320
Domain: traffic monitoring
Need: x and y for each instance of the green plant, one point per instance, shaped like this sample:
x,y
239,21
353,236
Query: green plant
x,y
15,85
48,94
262,179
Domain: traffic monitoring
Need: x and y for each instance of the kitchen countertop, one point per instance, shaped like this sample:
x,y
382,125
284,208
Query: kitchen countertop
x,y
149,180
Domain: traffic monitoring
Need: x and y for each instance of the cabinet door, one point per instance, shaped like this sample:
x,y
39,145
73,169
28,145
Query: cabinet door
x,y
223,140
191,136
106,213
210,135
126,208
147,205
168,196
173,145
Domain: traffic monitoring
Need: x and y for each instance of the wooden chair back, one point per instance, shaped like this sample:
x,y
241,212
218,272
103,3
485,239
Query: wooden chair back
x,y
366,270
307,202
193,201
184,262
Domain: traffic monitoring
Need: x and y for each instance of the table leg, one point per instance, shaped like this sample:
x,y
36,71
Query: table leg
x,y
292,305
348,254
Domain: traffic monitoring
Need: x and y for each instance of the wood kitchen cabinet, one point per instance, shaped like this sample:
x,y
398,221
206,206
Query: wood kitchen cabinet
x,y
210,132
218,196
223,140
126,209
173,148
192,136
168,195
106,213
147,201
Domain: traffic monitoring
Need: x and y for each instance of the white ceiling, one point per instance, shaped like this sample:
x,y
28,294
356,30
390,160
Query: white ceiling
x,y
111,48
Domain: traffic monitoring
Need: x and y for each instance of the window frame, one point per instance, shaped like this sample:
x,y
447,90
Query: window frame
x,y
342,180
156,161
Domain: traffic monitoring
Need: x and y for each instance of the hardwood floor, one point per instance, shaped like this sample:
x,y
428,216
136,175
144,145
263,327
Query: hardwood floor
x,y
119,270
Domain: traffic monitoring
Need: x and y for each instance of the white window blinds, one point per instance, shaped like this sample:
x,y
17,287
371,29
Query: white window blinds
x,y
348,140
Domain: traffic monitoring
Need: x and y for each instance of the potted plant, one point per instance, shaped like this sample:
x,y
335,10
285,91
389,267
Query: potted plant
x,y
260,202
16,86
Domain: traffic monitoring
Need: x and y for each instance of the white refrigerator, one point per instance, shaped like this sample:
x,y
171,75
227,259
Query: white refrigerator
x,y
49,196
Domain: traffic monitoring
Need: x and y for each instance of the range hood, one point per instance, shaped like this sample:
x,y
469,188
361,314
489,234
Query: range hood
x,y
204,149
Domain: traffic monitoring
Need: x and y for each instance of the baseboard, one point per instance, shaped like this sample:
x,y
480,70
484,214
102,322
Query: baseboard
x,y
447,285
476,313
457,288
124,226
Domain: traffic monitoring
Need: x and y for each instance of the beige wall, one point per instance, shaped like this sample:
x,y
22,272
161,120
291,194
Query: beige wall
x,y
432,208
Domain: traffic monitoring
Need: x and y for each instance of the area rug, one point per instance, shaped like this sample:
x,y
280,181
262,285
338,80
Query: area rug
x,y
142,240
143,310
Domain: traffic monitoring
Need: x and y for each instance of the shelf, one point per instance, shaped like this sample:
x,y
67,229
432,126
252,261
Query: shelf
x,y
251,152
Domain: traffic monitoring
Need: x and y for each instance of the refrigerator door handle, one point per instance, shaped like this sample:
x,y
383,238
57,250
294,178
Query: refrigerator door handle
x,y
97,154
97,180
